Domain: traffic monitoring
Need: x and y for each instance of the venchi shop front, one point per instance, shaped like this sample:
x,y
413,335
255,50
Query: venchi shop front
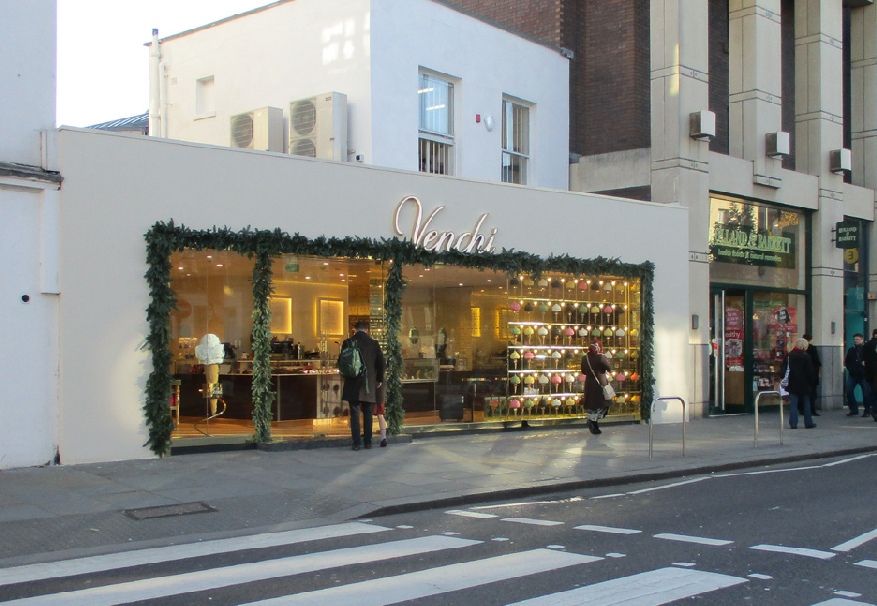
x,y
482,294
759,304
471,334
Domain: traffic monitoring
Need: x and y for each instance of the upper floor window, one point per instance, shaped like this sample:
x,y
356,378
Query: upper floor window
x,y
205,99
436,125
515,141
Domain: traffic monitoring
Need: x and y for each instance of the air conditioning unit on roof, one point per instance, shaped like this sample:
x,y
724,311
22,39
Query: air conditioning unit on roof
x,y
260,129
318,127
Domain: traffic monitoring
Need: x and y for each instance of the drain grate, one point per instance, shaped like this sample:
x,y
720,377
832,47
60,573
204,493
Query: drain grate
x,y
167,511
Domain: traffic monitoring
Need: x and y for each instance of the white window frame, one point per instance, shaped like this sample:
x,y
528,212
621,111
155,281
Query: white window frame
x,y
516,139
436,141
205,97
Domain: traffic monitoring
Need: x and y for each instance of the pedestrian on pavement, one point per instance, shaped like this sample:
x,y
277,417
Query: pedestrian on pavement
x,y
595,366
802,377
817,365
869,355
381,411
854,362
361,392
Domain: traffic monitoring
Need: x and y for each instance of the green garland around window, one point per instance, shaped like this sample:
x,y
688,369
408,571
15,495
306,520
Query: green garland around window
x,y
264,245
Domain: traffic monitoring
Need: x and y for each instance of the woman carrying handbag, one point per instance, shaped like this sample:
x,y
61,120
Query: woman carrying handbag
x,y
597,400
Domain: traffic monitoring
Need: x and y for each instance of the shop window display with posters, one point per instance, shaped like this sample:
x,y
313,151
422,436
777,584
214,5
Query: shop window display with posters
x,y
758,276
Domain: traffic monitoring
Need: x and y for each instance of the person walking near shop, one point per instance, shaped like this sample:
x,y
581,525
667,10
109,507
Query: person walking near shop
x,y
817,366
869,355
380,413
854,362
801,379
361,391
595,366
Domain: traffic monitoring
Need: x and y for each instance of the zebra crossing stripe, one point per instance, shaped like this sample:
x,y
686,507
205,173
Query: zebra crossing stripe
x,y
690,539
867,564
226,576
443,579
652,588
841,602
114,561
801,551
607,529
470,514
856,541
532,521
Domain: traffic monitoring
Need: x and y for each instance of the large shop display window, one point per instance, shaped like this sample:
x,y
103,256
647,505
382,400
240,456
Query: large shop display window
x,y
476,345
758,275
245,328
315,303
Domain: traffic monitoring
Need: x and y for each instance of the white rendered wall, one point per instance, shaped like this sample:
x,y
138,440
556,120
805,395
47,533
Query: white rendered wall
x,y
116,187
28,237
488,62
270,57
371,51
27,78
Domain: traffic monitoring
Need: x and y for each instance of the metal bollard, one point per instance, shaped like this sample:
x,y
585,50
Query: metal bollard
x,y
757,398
652,424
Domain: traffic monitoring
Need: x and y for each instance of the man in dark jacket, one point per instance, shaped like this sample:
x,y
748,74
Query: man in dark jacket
x,y
854,362
802,378
361,392
817,366
869,355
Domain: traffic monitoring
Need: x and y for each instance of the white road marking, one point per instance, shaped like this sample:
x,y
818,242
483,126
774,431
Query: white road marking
x,y
673,485
801,551
614,554
114,561
848,594
652,588
555,547
404,526
443,579
469,514
867,563
851,459
226,576
532,521
856,541
525,503
841,602
690,539
684,564
764,577
500,539
609,496
607,529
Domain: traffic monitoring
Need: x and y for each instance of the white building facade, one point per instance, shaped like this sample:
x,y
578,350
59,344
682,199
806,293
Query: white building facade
x,y
29,206
425,88
76,316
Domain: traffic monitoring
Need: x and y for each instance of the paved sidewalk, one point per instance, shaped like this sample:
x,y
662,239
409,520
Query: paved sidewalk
x,y
69,511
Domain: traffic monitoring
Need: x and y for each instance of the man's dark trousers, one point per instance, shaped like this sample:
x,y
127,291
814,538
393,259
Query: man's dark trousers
x,y
367,422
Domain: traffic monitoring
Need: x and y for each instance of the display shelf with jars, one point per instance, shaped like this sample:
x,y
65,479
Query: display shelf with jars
x,y
550,324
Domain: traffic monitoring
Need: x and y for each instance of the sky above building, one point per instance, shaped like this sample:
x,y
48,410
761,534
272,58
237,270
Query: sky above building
x,y
103,65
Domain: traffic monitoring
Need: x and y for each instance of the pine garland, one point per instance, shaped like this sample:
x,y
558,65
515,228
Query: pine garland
x,y
165,238
263,395
393,308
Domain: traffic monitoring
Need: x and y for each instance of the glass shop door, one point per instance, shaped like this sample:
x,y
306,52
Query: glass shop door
x,y
728,340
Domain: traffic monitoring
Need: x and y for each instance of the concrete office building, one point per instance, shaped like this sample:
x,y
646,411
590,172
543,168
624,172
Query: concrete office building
x,y
759,117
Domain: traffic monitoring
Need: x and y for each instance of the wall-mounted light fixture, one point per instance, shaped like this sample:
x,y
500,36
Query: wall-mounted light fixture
x,y
777,145
702,125
840,161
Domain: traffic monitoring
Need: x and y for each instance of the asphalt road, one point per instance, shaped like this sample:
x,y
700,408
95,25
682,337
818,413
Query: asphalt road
x,y
785,535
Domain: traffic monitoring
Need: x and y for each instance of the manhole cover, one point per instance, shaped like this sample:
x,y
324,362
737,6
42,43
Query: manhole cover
x,y
167,511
